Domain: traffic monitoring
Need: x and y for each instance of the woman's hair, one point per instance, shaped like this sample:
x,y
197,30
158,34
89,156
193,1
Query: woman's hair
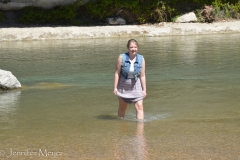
x,y
131,41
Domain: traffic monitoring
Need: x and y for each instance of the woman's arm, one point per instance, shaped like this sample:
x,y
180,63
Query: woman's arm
x,y
143,79
117,74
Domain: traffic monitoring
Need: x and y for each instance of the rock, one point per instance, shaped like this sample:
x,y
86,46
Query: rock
x,y
116,21
5,1
14,5
50,4
189,17
8,81
47,4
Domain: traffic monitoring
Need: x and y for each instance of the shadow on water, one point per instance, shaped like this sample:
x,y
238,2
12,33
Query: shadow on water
x,y
107,117
131,117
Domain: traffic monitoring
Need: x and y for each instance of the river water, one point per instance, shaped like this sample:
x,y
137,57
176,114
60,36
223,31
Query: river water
x,y
66,108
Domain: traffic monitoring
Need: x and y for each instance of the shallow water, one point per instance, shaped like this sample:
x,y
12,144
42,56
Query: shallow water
x,y
66,109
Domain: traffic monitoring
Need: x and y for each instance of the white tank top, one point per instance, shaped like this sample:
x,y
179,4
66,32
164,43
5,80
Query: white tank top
x,y
131,71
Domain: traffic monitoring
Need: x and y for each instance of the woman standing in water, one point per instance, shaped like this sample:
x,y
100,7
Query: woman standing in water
x,y
130,80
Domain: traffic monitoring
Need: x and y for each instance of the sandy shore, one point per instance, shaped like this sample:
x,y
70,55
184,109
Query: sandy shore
x,y
161,29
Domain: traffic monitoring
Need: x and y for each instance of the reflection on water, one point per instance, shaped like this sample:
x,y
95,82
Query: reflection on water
x,y
8,105
66,103
8,101
131,146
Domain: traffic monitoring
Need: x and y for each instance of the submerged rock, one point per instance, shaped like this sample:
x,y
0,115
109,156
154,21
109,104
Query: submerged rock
x,y
8,81
44,85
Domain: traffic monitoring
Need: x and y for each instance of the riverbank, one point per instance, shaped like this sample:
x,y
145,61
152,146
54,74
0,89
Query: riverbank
x,y
161,29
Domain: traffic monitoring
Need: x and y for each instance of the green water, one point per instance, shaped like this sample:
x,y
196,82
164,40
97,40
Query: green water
x,y
66,108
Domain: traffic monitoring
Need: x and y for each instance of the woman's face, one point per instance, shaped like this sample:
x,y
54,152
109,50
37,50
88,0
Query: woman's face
x,y
133,48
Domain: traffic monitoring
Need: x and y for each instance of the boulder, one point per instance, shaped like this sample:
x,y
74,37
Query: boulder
x,y
46,4
8,81
49,4
189,17
116,21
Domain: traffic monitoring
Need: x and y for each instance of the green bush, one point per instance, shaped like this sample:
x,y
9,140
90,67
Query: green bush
x,y
133,11
225,10
136,11
102,9
57,15
32,15
2,18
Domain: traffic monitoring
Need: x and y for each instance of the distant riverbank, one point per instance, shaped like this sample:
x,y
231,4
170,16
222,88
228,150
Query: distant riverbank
x,y
161,29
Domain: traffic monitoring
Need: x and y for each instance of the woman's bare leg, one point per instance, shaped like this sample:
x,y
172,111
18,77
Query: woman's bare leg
x,y
122,107
139,109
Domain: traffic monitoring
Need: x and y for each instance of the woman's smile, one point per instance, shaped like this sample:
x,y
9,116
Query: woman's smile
x,y
133,48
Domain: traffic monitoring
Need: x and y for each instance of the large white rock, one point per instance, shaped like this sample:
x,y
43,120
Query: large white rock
x,y
19,4
189,17
8,81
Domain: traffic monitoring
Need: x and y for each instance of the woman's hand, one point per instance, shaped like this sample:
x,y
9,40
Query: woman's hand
x,y
144,93
115,91
117,74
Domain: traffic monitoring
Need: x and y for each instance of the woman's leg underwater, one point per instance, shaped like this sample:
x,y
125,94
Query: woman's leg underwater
x,y
122,107
139,109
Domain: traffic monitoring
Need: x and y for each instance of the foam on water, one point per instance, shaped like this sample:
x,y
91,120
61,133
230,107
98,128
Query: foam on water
x,y
148,117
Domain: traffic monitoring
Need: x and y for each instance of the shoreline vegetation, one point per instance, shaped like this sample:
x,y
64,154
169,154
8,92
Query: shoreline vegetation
x,y
143,18
134,12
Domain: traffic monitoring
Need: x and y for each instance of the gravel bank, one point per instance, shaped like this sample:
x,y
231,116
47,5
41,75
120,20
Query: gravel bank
x,y
161,29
